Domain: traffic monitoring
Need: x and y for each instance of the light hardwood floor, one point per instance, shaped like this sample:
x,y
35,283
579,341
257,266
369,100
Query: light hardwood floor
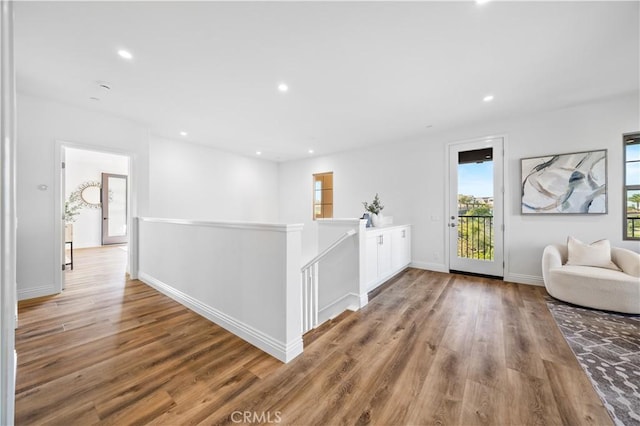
x,y
430,348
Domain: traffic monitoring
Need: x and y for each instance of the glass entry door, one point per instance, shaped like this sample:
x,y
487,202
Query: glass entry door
x,y
114,209
475,207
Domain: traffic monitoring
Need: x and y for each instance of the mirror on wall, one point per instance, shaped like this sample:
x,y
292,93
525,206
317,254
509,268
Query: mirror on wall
x,y
90,194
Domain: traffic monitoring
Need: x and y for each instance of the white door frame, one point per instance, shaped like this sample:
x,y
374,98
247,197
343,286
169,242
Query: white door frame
x,y
60,146
8,218
502,193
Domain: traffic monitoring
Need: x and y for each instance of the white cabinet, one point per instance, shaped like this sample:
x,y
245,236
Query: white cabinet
x,y
372,259
388,251
401,248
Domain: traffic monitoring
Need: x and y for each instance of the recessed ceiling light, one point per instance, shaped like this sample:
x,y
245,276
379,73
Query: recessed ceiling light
x,y
125,54
488,98
183,133
311,151
482,1
283,87
258,152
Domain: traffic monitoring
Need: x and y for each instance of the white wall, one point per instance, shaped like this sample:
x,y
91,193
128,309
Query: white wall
x,y
191,181
409,187
410,178
84,166
41,123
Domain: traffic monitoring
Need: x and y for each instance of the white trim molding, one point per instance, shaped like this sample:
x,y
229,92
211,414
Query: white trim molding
x,y
8,218
341,221
283,352
275,227
524,279
33,292
350,301
428,266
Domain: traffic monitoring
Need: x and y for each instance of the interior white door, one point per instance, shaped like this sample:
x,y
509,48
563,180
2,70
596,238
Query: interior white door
x,y
476,199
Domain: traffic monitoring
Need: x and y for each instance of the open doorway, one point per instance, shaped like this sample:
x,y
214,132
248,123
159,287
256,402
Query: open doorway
x,y
95,199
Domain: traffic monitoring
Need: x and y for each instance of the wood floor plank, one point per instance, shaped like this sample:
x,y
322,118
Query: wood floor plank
x,y
487,361
483,405
573,388
520,345
429,348
541,406
440,400
143,410
459,334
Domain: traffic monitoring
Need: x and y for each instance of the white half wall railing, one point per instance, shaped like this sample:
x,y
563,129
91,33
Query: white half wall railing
x,y
310,285
242,276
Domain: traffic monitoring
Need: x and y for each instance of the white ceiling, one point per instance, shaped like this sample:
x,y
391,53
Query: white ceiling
x,y
359,73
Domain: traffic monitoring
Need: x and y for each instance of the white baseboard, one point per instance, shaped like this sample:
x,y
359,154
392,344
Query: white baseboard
x,y
524,279
32,293
511,277
384,279
283,352
437,267
349,301
364,300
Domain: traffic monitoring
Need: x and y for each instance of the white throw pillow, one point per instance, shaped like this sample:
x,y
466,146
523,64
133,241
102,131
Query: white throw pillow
x,y
596,254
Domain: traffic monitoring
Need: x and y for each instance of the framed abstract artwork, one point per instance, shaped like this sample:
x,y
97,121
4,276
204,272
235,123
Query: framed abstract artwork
x,y
573,183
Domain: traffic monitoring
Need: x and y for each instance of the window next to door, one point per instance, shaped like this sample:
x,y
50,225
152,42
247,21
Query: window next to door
x,y
322,195
631,196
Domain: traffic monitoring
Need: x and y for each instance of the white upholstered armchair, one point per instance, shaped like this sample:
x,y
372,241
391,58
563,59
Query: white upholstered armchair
x,y
594,287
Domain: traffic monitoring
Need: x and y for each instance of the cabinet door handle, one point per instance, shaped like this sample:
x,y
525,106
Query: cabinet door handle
x,y
404,233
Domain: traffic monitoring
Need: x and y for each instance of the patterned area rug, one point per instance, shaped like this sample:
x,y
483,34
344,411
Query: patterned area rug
x,y
607,345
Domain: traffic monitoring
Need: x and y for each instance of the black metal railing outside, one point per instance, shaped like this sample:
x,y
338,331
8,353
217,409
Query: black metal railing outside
x,y
633,227
475,237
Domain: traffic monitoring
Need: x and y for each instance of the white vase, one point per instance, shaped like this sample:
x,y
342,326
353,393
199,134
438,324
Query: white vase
x,y
376,219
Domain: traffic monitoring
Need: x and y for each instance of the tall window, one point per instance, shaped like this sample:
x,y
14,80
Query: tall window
x,y
322,195
632,186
